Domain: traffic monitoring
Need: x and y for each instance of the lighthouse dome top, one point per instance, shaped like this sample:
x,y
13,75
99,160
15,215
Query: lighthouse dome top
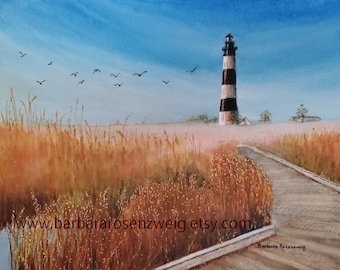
x,y
229,48
229,37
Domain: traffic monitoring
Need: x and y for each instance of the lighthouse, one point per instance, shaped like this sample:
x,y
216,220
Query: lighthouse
x,y
228,107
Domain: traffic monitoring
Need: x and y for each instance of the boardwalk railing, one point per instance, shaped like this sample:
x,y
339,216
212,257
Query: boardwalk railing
x,y
301,170
219,250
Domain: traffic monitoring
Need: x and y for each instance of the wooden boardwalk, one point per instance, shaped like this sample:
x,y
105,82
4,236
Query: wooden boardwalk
x,y
305,213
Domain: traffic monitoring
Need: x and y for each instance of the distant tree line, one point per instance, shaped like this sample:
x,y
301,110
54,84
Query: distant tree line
x,y
265,116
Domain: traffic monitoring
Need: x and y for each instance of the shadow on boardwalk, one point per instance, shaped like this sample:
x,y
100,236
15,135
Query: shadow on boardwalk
x,y
307,219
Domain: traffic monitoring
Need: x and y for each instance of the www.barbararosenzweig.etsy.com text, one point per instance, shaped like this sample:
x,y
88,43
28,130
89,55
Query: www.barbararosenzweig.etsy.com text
x,y
181,225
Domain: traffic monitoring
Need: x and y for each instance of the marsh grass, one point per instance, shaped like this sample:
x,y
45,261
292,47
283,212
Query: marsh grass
x,y
50,171
51,159
317,152
237,190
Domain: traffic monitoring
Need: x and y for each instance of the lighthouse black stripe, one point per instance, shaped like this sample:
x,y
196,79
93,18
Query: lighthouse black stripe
x,y
229,76
228,104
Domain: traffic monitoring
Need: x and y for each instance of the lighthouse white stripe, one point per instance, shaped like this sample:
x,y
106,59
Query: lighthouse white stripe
x,y
225,118
228,91
229,62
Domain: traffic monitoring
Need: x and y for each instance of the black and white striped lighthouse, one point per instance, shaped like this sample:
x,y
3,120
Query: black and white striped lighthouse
x,y
228,107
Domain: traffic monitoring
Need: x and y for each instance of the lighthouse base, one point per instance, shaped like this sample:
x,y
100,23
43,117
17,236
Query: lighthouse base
x,y
228,118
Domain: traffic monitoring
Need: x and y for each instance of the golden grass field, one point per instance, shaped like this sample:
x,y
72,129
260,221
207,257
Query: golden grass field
x,y
159,172
100,175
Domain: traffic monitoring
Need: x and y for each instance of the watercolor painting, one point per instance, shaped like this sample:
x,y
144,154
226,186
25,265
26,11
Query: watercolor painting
x,y
169,134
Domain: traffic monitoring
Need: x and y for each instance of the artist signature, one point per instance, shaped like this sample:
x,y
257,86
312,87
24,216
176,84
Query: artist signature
x,y
281,246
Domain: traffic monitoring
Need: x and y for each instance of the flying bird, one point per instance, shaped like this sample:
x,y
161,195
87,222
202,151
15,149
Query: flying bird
x,y
115,75
96,70
41,82
81,82
192,70
74,74
50,63
119,84
166,82
22,54
139,74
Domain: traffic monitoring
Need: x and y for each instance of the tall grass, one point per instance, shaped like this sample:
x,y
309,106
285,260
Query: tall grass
x,y
51,159
237,190
317,152
79,171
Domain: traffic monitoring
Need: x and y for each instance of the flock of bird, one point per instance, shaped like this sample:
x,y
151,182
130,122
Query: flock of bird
x,y
75,74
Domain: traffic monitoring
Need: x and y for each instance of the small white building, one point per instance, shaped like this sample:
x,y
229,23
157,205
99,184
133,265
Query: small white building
x,y
301,119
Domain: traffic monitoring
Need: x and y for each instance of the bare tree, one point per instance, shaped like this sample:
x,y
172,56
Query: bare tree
x,y
302,112
265,116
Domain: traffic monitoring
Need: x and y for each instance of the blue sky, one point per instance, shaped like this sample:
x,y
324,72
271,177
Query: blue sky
x,y
288,54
